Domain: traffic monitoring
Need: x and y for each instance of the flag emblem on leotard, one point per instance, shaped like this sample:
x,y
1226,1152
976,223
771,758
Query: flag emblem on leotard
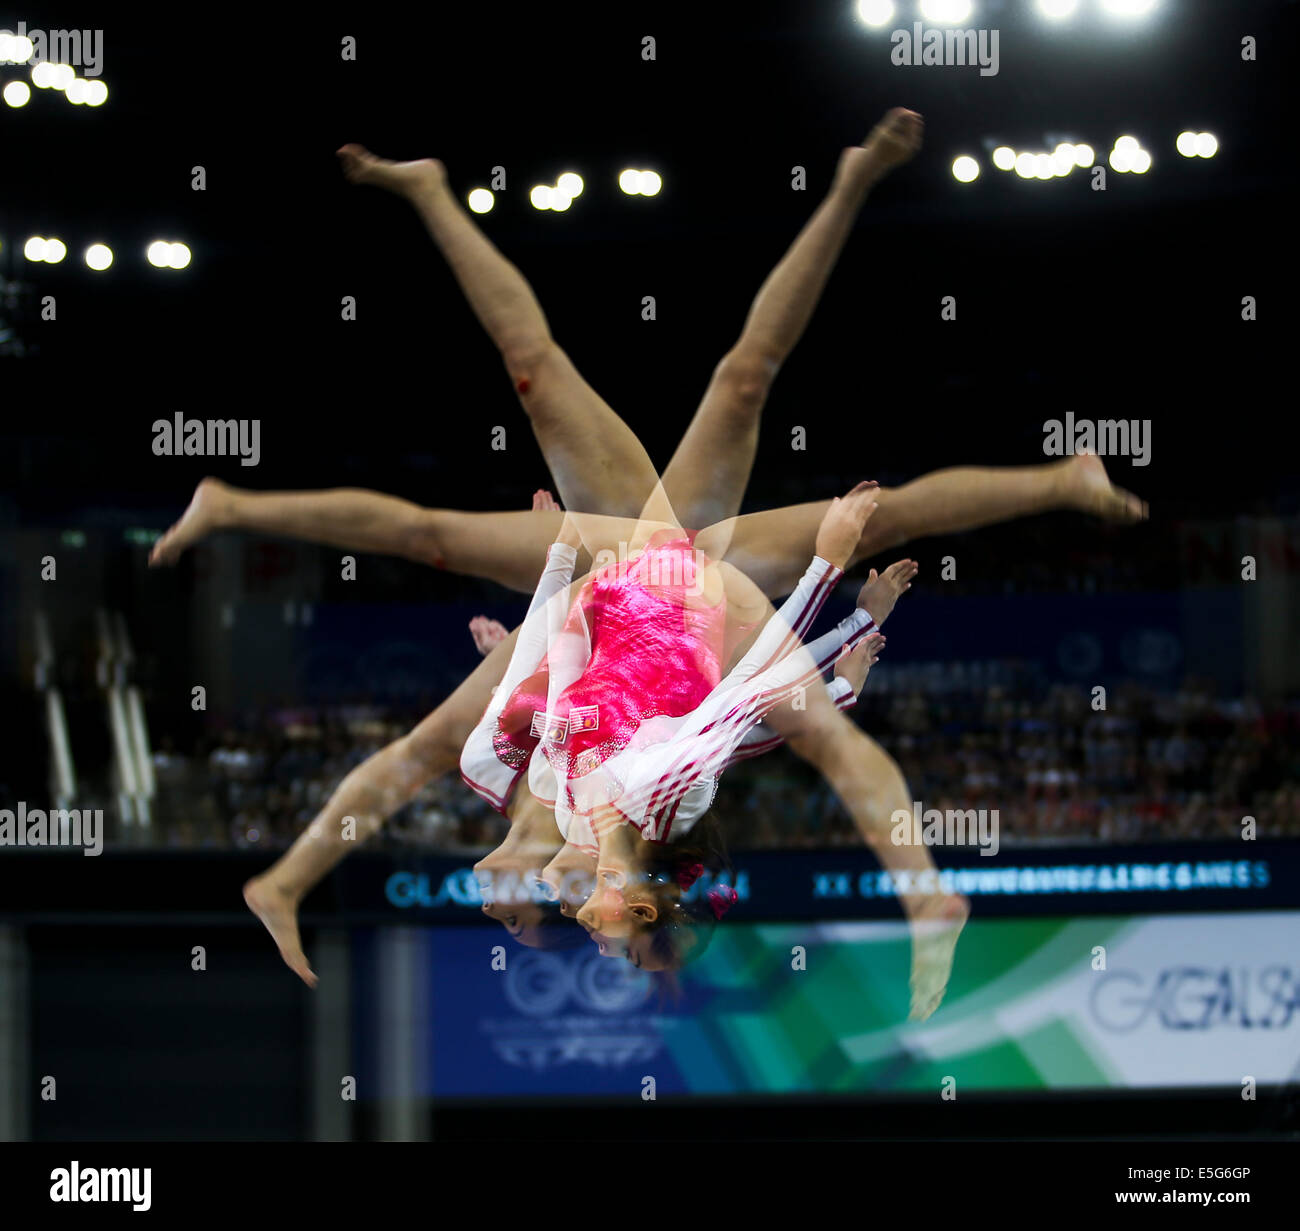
x,y
550,728
584,718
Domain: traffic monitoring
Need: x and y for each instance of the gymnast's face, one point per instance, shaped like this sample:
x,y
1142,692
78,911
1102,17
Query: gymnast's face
x,y
507,883
640,950
570,878
620,907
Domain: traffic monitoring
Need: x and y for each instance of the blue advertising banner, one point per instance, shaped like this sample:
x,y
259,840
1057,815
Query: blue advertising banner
x,y
848,883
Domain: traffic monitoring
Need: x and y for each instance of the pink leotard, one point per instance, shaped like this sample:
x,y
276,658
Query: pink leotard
x,y
656,649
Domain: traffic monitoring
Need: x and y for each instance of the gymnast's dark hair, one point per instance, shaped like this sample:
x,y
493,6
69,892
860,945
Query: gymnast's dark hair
x,y
685,924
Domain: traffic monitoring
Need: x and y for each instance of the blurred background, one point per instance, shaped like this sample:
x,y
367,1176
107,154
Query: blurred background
x,y
1121,827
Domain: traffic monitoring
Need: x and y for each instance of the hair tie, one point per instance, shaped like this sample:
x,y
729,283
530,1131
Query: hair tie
x,y
722,898
688,874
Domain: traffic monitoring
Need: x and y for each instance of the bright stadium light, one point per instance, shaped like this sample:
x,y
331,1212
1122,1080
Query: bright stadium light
x,y
96,93
1127,143
15,49
63,76
1141,162
640,183
945,12
178,256
1186,144
78,90
1121,160
1128,8
1044,168
1207,145
1057,9
158,253
560,201
99,257
1063,158
540,196
875,13
34,248
1025,166
1084,156
16,93
1004,158
570,183
480,200
55,251
43,75
965,169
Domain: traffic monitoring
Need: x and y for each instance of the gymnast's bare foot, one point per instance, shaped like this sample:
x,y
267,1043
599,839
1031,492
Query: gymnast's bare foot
x,y
207,512
878,596
279,913
407,179
1086,486
935,929
891,143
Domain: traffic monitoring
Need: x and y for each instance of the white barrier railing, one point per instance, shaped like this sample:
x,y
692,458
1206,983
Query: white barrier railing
x,y
63,773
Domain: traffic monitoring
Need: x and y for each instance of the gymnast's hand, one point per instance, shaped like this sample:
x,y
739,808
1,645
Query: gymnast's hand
x,y
544,502
841,529
487,634
857,663
878,596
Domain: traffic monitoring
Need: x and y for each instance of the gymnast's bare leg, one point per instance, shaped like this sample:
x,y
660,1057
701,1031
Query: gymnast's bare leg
x,y
707,475
708,472
870,785
368,796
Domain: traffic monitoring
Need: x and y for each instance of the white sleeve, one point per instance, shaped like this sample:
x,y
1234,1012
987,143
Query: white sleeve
x,y
804,664
777,666
785,630
841,693
845,636
566,659
546,612
761,738
480,767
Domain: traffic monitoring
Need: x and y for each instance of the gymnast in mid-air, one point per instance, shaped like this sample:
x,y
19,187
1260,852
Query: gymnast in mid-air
x,y
615,706
612,493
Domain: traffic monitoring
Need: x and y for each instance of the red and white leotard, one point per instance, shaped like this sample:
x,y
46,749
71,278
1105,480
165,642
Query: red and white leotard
x,y
617,707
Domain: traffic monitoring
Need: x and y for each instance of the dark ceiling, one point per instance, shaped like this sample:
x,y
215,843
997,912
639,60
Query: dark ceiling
x,y
1118,303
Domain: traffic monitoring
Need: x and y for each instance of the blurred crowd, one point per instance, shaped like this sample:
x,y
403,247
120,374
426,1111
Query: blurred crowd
x,y
262,783
1150,767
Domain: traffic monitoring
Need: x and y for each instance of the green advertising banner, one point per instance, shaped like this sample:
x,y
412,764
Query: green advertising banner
x,y
1180,1000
